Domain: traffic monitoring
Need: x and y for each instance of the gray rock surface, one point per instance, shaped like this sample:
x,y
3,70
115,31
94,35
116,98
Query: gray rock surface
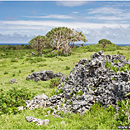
x,y
37,101
12,81
44,75
37,121
89,82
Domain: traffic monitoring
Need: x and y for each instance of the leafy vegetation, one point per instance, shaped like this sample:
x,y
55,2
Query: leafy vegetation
x,y
97,118
12,99
54,82
39,42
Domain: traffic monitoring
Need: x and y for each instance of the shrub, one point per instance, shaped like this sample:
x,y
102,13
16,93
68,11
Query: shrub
x,y
14,60
19,71
42,65
12,99
56,91
39,59
107,64
119,53
32,70
67,68
50,55
5,72
54,82
123,115
13,75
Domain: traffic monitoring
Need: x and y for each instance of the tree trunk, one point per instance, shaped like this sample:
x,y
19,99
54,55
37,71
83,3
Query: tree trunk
x,y
58,52
73,46
104,45
39,52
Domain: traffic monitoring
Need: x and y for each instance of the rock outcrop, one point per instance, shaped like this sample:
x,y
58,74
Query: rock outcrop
x,y
91,81
44,75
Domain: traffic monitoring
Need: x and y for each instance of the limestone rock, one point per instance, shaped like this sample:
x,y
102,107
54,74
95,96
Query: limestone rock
x,y
37,121
12,81
44,75
89,82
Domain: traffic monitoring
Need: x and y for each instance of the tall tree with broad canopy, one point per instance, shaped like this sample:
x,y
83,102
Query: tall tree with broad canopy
x,y
59,36
39,42
63,35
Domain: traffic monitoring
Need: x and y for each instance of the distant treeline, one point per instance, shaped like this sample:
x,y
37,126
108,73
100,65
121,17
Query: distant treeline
x,y
17,47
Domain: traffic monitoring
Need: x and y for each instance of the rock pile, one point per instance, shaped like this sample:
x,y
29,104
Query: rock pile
x,y
44,75
90,81
37,121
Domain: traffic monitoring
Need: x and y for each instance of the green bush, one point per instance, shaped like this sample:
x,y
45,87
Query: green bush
x,y
56,91
19,71
119,53
54,82
32,70
123,116
5,72
12,99
14,60
67,68
13,75
50,55
42,65
107,64
39,59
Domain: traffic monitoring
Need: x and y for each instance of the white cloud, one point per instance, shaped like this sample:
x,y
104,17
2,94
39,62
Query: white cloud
x,y
15,38
105,10
108,14
117,33
75,12
51,17
39,24
71,3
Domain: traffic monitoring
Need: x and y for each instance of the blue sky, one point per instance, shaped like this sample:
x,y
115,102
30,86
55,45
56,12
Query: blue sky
x,y
20,21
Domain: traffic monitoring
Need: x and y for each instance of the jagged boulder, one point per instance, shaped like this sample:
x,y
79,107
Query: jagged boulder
x,y
91,81
44,75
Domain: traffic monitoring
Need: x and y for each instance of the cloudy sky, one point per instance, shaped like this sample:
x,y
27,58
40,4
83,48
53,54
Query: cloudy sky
x,y
20,21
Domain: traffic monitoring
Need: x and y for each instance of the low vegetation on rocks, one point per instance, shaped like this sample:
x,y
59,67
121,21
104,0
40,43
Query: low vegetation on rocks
x,y
89,89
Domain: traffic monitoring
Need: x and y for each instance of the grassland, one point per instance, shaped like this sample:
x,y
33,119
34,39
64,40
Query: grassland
x,y
19,63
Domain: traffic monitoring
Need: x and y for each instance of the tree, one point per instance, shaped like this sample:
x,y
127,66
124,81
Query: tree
x,y
60,36
39,42
78,36
104,42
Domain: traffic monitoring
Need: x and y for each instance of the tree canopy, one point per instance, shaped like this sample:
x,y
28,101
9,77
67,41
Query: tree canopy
x,y
39,42
62,35
104,42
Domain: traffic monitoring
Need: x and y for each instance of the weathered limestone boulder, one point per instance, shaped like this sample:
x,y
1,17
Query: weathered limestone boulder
x,y
12,81
43,75
89,81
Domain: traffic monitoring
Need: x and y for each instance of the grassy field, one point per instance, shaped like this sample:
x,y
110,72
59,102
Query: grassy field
x,y
19,63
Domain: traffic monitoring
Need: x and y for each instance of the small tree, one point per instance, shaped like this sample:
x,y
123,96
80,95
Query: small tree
x,y
104,42
39,42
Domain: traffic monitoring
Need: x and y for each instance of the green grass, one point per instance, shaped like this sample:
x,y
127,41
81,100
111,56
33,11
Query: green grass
x,y
20,68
